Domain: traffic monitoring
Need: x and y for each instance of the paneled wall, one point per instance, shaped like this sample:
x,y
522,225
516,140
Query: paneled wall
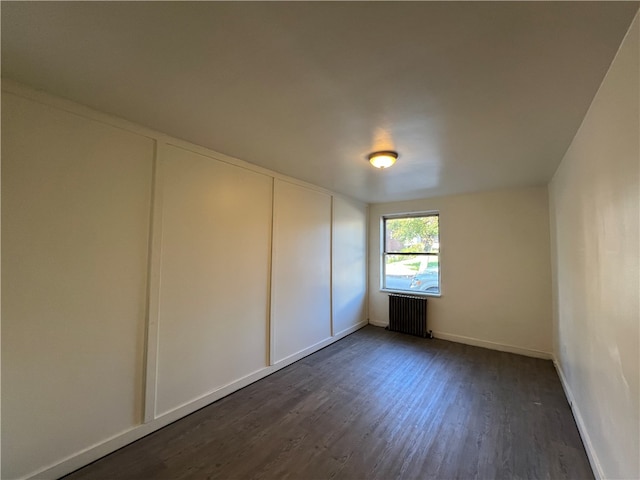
x,y
214,266
144,277
301,305
76,196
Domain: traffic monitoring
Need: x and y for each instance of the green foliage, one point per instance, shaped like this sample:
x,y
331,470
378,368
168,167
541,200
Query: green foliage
x,y
416,234
414,265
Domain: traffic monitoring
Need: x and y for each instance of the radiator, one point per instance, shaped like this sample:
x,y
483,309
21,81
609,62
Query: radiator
x,y
408,314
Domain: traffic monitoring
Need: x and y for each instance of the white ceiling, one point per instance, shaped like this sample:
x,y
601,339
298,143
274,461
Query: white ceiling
x,y
474,96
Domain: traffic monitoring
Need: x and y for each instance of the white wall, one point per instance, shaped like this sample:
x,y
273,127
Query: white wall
x,y
137,279
301,289
495,269
214,289
349,264
594,204
75,227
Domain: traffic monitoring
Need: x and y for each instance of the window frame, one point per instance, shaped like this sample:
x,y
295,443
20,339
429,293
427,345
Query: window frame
x,y
384,253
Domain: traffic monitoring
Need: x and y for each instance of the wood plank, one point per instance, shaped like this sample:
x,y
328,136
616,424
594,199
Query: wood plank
x,y
376,404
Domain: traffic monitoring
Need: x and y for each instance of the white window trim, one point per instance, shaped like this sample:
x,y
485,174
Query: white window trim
x,y
382,253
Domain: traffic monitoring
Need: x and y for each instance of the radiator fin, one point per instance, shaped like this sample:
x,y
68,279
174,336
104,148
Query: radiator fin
x,y
408,314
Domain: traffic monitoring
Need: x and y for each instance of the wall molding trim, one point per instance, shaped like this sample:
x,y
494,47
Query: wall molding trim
x,y
318,346
99,450
151,420
43,97
582,429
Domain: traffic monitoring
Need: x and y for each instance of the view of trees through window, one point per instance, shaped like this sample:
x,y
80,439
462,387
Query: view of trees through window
x,y
412,254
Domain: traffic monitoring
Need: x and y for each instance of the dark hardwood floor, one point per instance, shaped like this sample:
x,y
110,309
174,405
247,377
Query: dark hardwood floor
x,y
375,405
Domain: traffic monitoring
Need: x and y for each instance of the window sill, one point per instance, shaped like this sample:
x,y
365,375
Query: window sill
x,y
408,292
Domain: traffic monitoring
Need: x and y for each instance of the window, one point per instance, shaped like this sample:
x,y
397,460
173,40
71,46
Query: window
x,y
411,253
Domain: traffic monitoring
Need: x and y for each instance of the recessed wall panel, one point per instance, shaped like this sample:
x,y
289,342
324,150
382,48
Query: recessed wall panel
x,y
76,199
301,288
214,276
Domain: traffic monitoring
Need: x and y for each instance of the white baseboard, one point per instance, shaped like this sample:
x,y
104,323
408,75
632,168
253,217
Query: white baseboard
x,y
314,348
502,347
99,450
485,344
350,330
586,440
378,324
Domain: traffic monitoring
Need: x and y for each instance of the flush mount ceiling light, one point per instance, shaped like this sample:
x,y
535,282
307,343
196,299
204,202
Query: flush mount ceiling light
x,y
383,159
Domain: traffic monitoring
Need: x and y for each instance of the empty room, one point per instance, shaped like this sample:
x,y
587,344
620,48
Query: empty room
x,y
313,240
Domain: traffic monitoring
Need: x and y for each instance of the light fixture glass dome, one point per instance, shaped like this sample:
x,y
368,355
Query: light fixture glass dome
x,y
383,159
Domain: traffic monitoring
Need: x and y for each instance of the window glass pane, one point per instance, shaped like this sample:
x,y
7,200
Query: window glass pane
x,y
413,273
412,234
427,278
399,270
411,254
